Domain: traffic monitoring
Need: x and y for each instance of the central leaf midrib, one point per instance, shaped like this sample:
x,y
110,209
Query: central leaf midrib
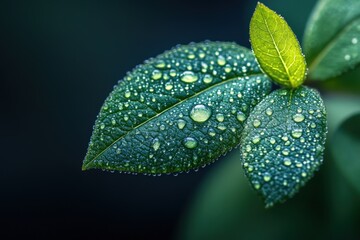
x,y
329,45
275,45
167,109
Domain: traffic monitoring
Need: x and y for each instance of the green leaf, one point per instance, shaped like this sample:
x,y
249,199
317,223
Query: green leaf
x,y
276,48
178,111
332,38
345,146
339,108
283,142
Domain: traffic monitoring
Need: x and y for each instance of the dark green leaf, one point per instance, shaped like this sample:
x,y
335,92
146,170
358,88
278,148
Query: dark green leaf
x,y
345,146
179,111
283,142
332,38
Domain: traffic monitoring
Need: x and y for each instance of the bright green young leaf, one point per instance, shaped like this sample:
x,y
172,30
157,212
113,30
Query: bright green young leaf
x,y
332,38
276,48
178,111
345,146
283,142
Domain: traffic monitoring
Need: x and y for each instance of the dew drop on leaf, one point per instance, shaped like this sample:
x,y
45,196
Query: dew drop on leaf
x,y
190,142
200,113
298,117
189,77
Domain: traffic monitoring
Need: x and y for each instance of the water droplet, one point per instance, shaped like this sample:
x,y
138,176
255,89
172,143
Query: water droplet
x,y
181,124
272,140
241,116
113,121
287,162
347,57
102,126
156,75
191,56
221,126
267,177
173,73
207,78
160,64
188,77
313,125
156,144
118,150
285,152
303,174
227,68
269,111
256,185
127,94
190,142
168,86
354,41
256,139
298,164
200,113
256,123
296,133
162,127
221,61
212,132
220,117
248,148
298,117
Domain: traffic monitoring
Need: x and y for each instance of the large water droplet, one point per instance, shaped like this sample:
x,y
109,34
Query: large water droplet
x,y
241,116
156,74
127,94
267,177
156,144
189,77
220,117
256,139
256,123
298,117
221,61
269,111
168,86
212,132
160,64
296,133
221,126
190,142
287,162
181,124
207,78
200,113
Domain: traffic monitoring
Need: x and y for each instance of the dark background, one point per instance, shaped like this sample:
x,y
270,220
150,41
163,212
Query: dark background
x,y
59,61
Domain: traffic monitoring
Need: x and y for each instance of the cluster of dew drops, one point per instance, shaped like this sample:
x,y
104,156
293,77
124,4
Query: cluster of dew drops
x,y
174,77
284,146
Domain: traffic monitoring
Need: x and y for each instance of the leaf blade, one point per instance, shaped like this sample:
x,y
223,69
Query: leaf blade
x,y
276,48
157,119
331,51
345,146
283,142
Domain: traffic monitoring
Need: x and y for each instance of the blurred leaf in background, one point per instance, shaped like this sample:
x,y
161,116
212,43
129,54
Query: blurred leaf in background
x,y
345,146
225,207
